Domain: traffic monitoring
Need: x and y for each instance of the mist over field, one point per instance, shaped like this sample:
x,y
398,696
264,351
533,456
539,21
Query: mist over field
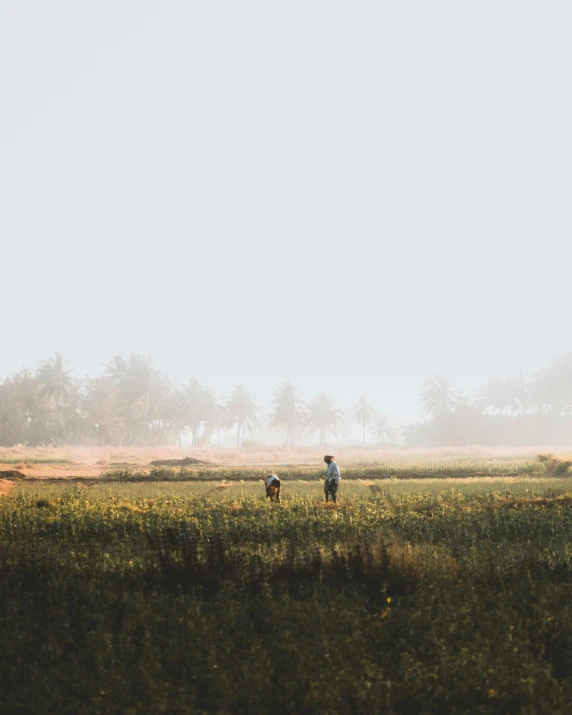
x,y
134,404
357,199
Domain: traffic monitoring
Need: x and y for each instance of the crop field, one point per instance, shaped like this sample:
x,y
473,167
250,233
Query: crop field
x,y
305,462
251,465
408,596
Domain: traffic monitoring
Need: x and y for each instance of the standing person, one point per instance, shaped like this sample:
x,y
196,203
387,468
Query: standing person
x,y
332,478
272,487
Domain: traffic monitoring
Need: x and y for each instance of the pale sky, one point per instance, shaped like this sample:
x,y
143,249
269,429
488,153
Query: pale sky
x,y
355,195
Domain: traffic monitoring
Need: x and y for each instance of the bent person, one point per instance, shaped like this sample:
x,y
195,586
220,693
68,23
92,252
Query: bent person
x,y
272,487
332,478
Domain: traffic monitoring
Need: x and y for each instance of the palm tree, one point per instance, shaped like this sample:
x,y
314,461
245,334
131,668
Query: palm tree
x,y
418,434
242,411
363,413
489,396
218,420
74,417
288,410
175,414
101,411
438,396
323,417
551,389
382,431
508,395
196,397
116,369
55,383
208,408
23,417
143,387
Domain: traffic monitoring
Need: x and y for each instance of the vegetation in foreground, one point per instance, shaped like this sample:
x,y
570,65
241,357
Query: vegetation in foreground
x,y
404,599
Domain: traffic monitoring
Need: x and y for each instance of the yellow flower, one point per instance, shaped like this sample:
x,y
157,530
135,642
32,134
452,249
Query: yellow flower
x,y
385,612
492,693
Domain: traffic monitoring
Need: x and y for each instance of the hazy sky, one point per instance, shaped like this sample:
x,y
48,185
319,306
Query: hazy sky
x,y
355,195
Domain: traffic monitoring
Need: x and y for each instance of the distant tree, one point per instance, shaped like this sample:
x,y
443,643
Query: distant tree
x,y
23,417
102,412
418,434
243,411
551,388
382,431
218,420
74,416
174,414
209,407
363,414
288,410
116,370
55,384
196,398
142,388
508,395
323,417
491,395
464,425
438,396
182,410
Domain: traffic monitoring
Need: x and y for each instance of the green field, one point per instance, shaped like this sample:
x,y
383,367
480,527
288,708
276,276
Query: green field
x,y
409,596
389,470
34,460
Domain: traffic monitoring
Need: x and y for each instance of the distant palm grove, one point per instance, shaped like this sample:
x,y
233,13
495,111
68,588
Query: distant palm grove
x,y
132,403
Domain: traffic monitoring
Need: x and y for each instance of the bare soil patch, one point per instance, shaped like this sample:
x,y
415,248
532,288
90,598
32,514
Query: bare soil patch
x,y
5,487
11,474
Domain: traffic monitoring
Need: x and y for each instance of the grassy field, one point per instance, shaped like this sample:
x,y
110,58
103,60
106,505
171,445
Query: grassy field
x,y
359,462
352,471
409,596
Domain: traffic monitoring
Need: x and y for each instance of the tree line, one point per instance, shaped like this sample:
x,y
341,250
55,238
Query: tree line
x,y
505,411
133,403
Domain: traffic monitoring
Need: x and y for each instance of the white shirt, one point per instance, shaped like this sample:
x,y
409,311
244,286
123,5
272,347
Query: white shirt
x,y
333,471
